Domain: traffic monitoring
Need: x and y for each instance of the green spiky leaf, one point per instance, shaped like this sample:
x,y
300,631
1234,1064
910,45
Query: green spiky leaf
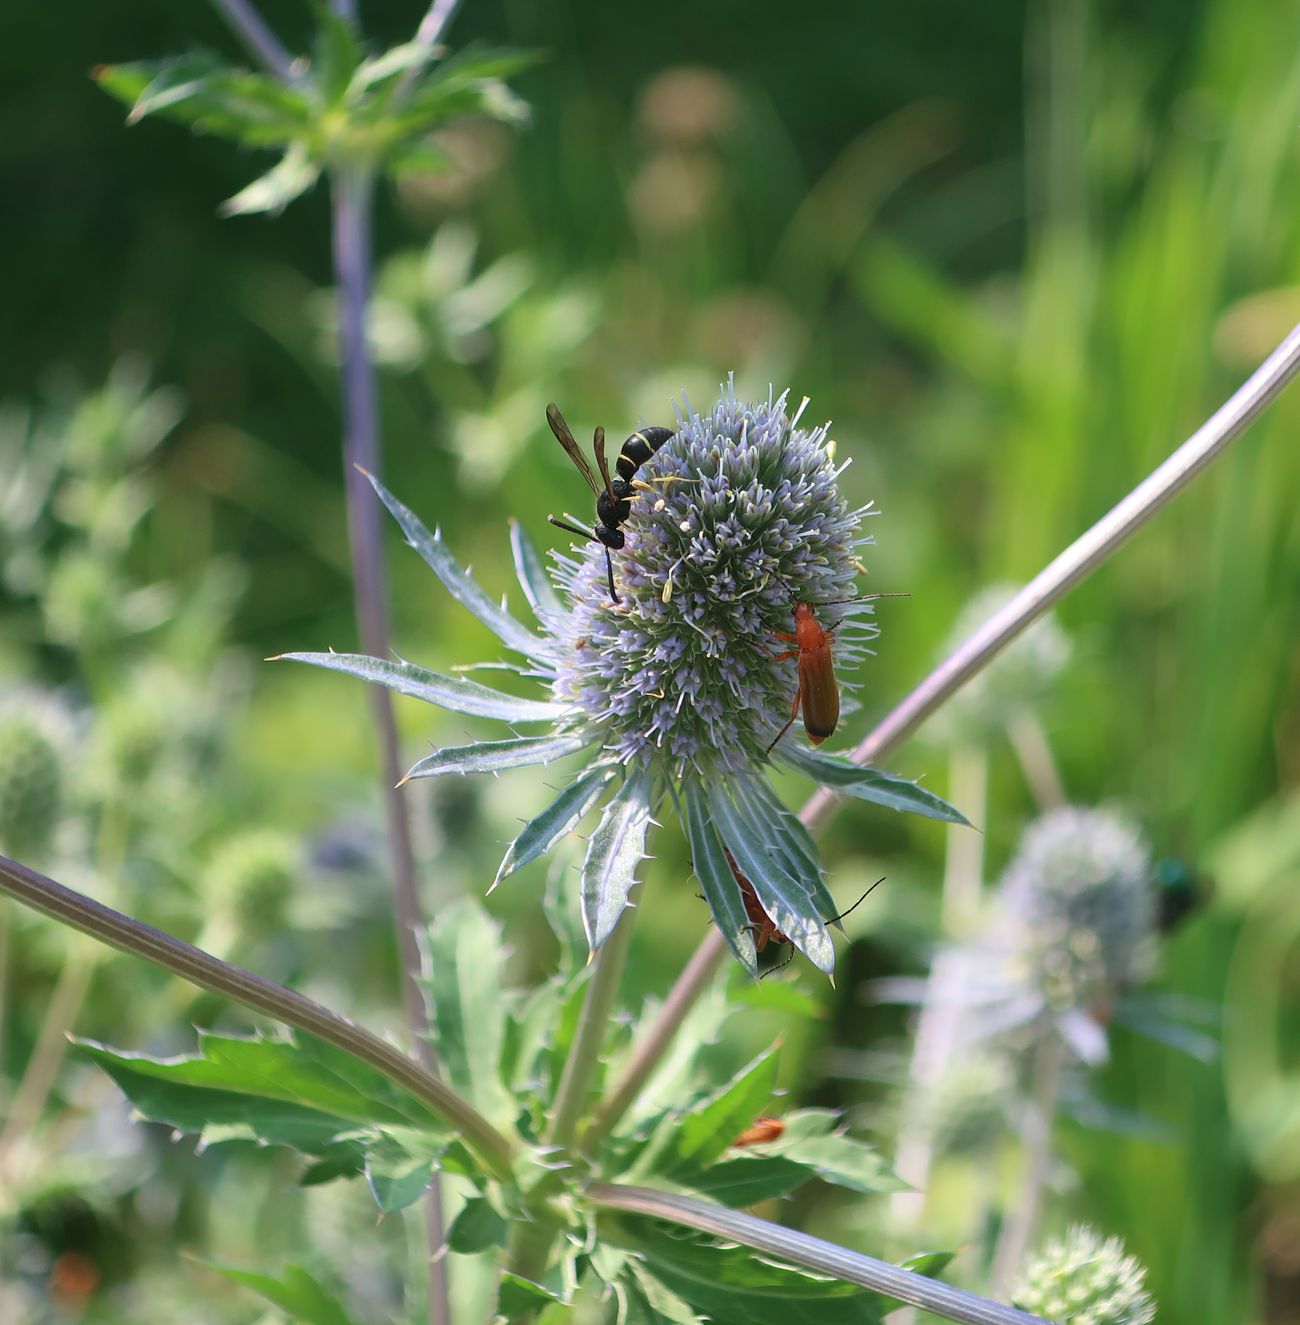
x,y
495,756
870,784
454,693
617,847
555,822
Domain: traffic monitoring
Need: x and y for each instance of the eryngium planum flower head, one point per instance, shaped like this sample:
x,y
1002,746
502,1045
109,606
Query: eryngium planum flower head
x,y
680,687
1079,897
1085,1280
741,518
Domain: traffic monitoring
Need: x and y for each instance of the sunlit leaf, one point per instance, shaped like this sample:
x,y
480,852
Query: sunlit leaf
x,y
533,578
495,756
555,822
454,693
456,579
617,847
288,179
869,784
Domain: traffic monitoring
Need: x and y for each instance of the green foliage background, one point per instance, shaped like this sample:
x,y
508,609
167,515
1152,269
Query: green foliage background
x,y
1013,291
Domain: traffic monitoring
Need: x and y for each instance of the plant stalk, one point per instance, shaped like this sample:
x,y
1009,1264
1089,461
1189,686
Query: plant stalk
x,y
252,30
119,931
353,197
812,1253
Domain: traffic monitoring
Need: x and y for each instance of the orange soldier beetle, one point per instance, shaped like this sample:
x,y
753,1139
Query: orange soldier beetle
x,y
764,927
818,693
762,1129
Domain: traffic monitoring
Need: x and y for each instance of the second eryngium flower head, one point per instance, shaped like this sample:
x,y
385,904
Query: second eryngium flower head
x,y
680,687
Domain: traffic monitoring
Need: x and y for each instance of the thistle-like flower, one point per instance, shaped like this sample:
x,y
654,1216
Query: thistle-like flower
x,y
1073,928
1083,1280
680,687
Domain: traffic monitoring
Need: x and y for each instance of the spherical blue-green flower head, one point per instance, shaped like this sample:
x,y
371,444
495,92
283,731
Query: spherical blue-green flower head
x,y
739,519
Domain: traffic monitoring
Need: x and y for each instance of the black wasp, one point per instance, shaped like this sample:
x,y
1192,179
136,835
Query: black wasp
x,y
614,498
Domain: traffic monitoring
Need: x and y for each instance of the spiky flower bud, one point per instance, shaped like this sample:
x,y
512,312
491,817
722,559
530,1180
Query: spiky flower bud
x,y
35,738
1024,671
254,875
1085,1280
742,519
1077,900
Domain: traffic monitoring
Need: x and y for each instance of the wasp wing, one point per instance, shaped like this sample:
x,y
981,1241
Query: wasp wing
x,y
565,439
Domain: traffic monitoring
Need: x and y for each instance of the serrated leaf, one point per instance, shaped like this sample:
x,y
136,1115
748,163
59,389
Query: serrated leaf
x,y
496,756
616,848
454,693
833,1156
288,179
557,821
732,1283
466,972
721,891
300,1094
709,1130
532,575
783,897
870,784
296,1292
457,580
477,1228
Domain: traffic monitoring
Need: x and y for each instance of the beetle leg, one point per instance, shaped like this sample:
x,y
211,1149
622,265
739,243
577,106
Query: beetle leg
x,y
794,713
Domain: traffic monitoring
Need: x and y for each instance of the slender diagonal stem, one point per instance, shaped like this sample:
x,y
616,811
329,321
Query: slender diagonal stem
x,y
1078,561
801,1249
254,991
571,1097
251,29
432,26
353,195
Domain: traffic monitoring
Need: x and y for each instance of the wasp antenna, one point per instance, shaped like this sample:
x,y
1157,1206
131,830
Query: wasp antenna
x,y
573,529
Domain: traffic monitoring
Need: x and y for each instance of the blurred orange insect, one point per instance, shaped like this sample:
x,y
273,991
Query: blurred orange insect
x,y
764,927
763,1129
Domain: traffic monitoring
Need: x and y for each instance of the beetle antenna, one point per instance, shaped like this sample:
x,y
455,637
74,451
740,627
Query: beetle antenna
x,y
856,904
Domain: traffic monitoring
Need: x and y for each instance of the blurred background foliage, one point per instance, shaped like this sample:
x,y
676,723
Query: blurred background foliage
x,y
1017,253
